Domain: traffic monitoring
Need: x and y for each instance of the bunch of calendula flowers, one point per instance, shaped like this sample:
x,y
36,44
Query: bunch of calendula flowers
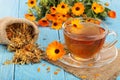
x,y
58,11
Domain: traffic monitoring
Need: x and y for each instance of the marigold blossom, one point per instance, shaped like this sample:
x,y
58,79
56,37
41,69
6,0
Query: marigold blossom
x,y
55,50
32,3
78,9
30,17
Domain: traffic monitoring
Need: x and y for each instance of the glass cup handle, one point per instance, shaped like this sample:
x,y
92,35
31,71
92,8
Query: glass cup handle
x,y
110,44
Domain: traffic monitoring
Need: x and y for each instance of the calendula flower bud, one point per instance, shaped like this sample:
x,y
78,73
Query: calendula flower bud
x,y
29,11
44,2
37,9
106,4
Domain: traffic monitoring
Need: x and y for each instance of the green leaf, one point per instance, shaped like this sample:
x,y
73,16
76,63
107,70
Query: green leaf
x,y
44,2
89,13
107,9
30,11
104,14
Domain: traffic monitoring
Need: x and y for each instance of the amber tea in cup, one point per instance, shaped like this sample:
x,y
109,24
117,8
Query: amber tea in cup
x,y
87,43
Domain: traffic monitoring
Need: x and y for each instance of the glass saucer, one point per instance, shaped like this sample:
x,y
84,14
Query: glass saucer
x,y
106,56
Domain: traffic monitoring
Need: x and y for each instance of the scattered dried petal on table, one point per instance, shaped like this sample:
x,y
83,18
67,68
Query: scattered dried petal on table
x,y
43,64
7,62
48,69
55,73
38,69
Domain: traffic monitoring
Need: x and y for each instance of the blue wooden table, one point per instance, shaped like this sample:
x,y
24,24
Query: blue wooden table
x,y
17,8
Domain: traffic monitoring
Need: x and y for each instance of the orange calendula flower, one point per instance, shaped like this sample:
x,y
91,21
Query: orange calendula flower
x,y
59,16
43,22
76,26
51,17
31,3
101,8
76,23
56,25
30,17
106,4
55,50
62,8
62,17
78,9
112,14
53,10
97,8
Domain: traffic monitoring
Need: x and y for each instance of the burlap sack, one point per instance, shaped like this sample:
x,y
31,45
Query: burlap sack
x,y
5,22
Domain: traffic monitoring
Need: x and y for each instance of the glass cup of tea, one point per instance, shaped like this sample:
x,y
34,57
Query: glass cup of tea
x,y
87,43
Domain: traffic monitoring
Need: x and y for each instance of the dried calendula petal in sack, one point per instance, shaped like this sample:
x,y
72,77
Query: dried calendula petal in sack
x,y
19,35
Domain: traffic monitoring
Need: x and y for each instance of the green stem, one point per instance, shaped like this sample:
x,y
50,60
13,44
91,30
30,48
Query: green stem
x,y
94,14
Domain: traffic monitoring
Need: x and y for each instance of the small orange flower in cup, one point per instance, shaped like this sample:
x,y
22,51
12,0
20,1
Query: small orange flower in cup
x,y
55,50
76,26
76,23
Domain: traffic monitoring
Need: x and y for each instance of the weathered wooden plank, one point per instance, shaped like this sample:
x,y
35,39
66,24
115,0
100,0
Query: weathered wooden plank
x,y
57,73
22,8
6,71
9,8
118,78
30,72
70,77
